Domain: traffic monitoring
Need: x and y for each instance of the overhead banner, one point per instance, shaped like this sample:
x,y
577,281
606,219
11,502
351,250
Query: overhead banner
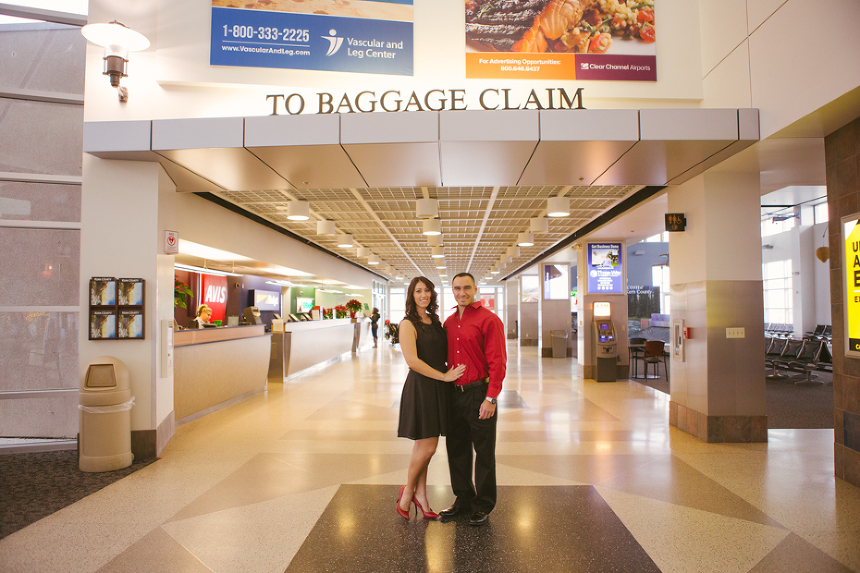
x,y
547,39
851,232
605,275
365,36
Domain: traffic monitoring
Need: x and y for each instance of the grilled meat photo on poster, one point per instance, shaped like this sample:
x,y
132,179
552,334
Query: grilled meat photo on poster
x,y
559,26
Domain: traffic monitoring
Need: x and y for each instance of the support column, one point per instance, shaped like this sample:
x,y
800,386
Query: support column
x,y
125,208
718,390
586,359
553,314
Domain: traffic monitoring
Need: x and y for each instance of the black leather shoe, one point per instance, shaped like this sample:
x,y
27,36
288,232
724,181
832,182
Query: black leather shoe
x,y
455,509
479,518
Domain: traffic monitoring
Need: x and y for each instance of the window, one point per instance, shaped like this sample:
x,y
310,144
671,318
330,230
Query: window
x,y
820,213
773,224
660,279
777,292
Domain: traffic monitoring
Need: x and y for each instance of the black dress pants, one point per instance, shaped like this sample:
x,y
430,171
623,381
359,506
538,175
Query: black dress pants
x,y
465,432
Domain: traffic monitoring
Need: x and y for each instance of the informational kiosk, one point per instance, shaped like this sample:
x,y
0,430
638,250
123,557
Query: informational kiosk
x,y
605,343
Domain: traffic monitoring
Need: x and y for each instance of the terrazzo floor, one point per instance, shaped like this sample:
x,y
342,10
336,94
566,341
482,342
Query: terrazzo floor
x,y
592,478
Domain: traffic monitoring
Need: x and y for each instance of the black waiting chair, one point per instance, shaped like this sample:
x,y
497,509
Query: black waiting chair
x,y
773,353
654,355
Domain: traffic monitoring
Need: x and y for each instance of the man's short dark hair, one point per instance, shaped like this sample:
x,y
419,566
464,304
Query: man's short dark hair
x,y
458,275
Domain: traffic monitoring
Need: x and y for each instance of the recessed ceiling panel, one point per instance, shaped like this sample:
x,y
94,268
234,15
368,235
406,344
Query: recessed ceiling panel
x,y
234,169
311,166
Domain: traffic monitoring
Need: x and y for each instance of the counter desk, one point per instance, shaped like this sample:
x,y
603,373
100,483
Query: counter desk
x,y
303,345
217,367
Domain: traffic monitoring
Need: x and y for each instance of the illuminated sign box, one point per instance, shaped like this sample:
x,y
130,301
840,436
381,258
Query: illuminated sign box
x,y
851,284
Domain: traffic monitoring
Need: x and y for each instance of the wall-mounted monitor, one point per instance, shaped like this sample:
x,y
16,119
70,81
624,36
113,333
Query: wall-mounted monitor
x,y
266,299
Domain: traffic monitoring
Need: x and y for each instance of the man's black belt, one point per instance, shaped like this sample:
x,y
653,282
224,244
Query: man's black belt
x,y
464,387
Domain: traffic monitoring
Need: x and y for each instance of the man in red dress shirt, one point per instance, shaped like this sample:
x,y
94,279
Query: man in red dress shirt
x,y
476,338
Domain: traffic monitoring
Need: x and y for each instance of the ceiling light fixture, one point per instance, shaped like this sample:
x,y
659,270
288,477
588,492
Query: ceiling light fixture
x,y
525,240
438,253
204,270
513,252
440,264
117,40
558,207
432,227
326,228
362,252
373,260
427,208
538,225
344,241
434,240
298,211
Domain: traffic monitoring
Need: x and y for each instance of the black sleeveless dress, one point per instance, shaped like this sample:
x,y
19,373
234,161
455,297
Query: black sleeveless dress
x,y
424,402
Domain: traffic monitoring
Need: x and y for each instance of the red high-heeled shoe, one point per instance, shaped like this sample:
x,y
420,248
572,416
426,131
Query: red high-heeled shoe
x,y
400,512
427,514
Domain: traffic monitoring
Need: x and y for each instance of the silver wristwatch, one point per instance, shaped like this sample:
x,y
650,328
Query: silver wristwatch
x,y
491,400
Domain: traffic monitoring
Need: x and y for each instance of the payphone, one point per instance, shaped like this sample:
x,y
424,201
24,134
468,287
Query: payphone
x,y
605,343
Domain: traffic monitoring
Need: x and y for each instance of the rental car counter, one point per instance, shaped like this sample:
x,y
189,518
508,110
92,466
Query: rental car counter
x,y
217,367
303,345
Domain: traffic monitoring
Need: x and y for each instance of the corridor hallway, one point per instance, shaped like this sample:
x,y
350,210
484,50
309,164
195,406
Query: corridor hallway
x,y
592,478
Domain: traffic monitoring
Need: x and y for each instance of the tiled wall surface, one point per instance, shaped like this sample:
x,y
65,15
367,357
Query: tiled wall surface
x,y
842,152
40,263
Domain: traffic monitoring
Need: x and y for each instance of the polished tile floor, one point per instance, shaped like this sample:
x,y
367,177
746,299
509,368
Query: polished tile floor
x,y
304,478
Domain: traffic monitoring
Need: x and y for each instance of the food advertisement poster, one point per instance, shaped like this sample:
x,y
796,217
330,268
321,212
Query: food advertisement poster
x,y
605,272
851,233
365,36
561,40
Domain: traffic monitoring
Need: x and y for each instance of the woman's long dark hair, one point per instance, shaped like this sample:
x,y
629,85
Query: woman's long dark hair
x,y
432,308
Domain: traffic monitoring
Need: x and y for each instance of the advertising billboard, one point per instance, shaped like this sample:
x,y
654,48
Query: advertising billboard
x,y
851,280
605,271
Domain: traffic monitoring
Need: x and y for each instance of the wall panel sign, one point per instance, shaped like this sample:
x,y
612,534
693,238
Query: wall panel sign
x,y
368,37
851,280
214,289
604,268
611,40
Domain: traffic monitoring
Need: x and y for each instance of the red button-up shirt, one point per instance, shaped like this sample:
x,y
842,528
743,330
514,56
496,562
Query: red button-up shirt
x,y
478,341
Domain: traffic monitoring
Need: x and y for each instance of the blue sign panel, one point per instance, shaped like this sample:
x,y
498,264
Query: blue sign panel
x,y
604,268
264,39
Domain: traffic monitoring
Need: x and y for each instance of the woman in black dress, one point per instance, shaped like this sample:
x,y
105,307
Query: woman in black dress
x,y
423,403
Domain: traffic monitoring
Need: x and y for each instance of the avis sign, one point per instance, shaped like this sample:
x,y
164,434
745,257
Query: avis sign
x,y
214,291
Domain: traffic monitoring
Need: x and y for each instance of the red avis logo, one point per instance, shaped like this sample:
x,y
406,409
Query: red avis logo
x,y
215,294
214,291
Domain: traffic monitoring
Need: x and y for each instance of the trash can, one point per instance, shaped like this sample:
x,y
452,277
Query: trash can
x,y
105,406
559,344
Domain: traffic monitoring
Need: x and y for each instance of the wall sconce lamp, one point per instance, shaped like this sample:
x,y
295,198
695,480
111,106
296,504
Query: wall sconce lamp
x,y
117,40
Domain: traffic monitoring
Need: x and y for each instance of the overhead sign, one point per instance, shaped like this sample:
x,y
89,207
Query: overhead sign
x,y
368,37
851,233
604,268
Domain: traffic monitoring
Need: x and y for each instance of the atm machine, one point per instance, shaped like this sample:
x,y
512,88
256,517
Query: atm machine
x,y
605,343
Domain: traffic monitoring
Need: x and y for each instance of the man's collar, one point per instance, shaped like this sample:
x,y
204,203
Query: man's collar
x,y
469,306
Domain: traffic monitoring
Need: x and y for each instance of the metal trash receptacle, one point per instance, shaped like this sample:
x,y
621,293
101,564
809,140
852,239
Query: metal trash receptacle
x,y
104,443
559,343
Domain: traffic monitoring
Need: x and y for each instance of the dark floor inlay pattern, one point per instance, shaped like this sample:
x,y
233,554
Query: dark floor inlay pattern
x,y
548,529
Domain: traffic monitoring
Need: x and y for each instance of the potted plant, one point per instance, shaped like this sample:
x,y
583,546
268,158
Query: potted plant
x,y
328,313
180,293
353,306
340,311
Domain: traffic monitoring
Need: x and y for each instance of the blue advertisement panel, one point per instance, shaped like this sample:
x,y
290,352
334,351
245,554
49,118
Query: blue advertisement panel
x,y
604,268
307,41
